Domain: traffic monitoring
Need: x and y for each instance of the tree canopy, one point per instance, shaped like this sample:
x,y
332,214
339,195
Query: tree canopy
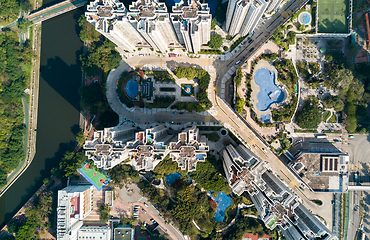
x,y
215,42
309,117
14,76
87,32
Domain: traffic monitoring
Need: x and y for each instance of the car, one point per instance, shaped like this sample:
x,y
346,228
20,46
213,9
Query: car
x,y
153,221
251,49
174,112
300,187
181,112
144,211
172,122
335,140
141,55
250,40
144,223
237,62
332,202
264,150
351,136
146,205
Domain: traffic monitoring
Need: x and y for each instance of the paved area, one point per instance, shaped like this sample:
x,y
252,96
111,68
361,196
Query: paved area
x,y
132,198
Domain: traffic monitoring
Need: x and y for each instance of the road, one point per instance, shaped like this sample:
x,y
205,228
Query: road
x,y
359,150
354,214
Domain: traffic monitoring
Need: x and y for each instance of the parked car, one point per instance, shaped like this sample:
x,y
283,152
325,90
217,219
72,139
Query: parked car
x,y
146,205
174,112
351,136
237,62
144,211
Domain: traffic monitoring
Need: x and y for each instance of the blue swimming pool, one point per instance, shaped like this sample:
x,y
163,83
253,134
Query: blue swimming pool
x,y
172,177
132,88
224,201
304,18
269,93
266,118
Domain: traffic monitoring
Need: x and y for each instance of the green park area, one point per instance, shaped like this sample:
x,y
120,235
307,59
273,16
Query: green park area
x,y
333,16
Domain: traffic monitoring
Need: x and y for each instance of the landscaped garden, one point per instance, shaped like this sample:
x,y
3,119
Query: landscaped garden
x,y
203,81
287,76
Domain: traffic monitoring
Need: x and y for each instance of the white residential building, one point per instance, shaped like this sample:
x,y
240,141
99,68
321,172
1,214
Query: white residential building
x,y
192,23
74,204
153,23
143,150
273,5
276,204
110,18
242,16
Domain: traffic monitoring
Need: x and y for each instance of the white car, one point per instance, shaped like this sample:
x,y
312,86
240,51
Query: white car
x,y
146,205
237,62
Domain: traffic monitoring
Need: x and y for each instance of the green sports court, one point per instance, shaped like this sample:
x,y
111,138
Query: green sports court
x,y
95,177
333,16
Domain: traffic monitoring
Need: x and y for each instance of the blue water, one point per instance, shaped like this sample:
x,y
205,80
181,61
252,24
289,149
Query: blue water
x,y
269,93
171,178
132,88
305,18
265,118
224,201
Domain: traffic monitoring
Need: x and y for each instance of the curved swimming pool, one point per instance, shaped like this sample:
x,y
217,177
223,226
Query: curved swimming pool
x,y
269,93
132,88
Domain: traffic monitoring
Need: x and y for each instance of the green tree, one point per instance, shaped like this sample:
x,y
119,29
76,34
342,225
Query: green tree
x,y
239,76
104,211
309,117
24,24
213,24
9,10
80,137
335,102
87,32
240,103
215,42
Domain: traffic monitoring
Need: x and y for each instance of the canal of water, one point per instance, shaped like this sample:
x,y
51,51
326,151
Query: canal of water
x,y
58,111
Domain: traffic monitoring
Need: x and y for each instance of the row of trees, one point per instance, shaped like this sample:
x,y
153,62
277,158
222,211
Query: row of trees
x,y
15,62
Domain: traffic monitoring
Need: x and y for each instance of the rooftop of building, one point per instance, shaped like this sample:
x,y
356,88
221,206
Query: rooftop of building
x,y
322,171
123,233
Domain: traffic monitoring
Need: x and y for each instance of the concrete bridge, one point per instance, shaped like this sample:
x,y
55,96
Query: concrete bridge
x,y
55,10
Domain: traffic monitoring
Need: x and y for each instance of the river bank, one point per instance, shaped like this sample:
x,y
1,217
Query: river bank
x,y
57,107
32,109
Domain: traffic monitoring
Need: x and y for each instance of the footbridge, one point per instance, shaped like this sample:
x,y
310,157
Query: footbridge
x,y
55,10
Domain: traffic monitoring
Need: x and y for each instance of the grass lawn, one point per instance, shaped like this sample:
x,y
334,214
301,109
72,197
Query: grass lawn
x,y
332,16
96,178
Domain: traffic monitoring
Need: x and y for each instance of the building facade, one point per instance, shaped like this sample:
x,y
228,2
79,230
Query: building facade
x,y
74,204
143,150
147,24
273,199
242,16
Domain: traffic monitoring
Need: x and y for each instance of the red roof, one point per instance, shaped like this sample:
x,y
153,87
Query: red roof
x,y
254,237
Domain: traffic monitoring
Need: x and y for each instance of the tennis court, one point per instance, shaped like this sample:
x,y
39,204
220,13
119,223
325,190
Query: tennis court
x,y
333,16
95,177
